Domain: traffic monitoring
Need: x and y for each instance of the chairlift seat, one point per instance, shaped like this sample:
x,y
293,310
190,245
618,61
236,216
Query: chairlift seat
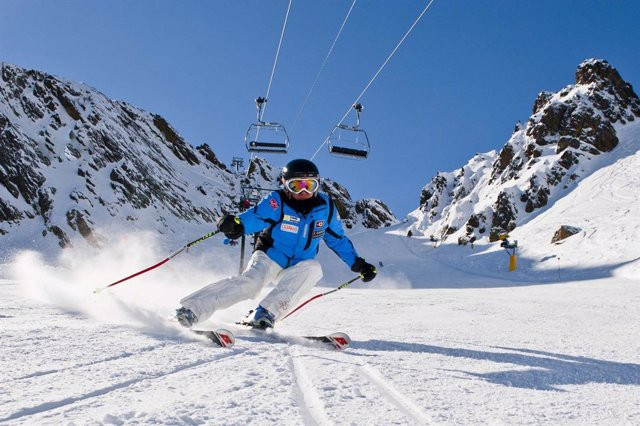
x,y
349,141
267,137
256,146
349,152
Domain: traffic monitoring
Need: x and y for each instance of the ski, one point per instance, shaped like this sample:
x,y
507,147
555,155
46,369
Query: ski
x,y
337,340
221,337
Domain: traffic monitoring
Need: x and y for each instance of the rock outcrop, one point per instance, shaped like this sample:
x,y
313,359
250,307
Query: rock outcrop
x,y
369,213
542,161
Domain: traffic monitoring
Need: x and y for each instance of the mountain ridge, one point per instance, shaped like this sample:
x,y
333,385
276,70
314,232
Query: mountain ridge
x,y
73,161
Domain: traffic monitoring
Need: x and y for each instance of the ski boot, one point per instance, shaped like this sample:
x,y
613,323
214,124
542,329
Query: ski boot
x,y
186,317
262,319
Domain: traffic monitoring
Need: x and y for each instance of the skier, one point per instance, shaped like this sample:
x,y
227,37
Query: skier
x,y
293,220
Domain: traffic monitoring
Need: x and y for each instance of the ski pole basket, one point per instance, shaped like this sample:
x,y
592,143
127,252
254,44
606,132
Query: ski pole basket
x,y
349,141
265,136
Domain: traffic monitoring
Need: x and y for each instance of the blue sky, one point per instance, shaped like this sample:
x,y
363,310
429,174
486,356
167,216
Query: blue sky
x,y
458,84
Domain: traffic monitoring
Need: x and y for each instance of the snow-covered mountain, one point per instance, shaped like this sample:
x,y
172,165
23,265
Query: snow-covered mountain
x,y
570,135
74,162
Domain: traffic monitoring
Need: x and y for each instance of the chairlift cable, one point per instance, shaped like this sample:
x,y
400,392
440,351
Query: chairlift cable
x,y
275,61
324,63
261,102
378,72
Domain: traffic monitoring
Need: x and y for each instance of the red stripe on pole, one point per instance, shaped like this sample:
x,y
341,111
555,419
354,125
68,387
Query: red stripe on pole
x,y
313,298
141,272
324,294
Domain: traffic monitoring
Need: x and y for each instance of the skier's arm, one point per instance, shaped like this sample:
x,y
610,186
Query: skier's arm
x,y
342,246
263,214
338,242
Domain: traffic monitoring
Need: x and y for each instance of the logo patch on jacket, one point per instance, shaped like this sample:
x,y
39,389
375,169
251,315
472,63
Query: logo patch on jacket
x,y
289,218
320,224
289,228
273,203
318,234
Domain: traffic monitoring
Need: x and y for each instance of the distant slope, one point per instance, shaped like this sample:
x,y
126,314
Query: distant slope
x,y
605,207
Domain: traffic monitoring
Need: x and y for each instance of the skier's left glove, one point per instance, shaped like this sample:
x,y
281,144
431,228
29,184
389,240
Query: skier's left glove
x,y
366,270
231,226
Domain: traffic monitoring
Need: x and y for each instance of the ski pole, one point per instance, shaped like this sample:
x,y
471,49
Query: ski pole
x,y
341,286
162,262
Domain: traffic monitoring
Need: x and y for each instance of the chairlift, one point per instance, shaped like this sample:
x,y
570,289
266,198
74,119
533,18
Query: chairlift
x,y
350,141
265,136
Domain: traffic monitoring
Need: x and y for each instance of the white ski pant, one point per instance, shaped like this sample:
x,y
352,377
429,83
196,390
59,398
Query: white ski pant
x,y
291,285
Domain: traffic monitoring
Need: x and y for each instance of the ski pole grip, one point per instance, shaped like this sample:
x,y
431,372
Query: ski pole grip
x,y
201,239
352,280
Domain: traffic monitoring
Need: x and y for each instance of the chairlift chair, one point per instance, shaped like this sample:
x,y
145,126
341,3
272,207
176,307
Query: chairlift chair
x,y
350,141
265,136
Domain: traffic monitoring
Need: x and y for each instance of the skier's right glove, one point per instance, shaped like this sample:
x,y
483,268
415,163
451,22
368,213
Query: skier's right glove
x,y
366,270
231,226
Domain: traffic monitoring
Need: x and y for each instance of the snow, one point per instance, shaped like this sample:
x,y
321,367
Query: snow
x,y
443,335
497,355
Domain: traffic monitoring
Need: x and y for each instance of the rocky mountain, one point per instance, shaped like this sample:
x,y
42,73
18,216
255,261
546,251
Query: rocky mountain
x,y
368,213
76,163
569,135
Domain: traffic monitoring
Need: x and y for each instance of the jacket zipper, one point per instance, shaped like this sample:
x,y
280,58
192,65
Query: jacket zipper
x,y
309,234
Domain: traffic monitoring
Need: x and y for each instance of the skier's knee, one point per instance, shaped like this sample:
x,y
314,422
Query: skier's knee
x,y
312,267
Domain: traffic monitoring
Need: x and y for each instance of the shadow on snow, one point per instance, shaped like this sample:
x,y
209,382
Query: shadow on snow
x,y
546,370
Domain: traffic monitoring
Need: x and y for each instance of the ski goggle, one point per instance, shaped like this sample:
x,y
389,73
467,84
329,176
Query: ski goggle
x,y
302,184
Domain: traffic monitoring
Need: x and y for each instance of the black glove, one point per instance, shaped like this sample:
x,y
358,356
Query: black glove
x,y
231,227
366,270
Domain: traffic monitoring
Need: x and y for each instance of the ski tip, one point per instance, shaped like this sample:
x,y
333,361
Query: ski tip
x,y
340,340
220,336
226,339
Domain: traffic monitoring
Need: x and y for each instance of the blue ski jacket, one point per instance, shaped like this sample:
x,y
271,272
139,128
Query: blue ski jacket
x,y
289,236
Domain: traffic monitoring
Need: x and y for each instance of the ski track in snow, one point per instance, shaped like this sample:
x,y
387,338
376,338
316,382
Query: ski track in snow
x,y
56,404
392,394
363,379
81,365
313,410
308,393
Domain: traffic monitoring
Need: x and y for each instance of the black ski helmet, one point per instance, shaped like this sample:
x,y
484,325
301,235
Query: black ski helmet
x,y
300,168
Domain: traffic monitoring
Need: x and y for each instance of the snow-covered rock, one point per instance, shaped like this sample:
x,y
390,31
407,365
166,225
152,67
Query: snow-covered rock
x,y
361,214
569,135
